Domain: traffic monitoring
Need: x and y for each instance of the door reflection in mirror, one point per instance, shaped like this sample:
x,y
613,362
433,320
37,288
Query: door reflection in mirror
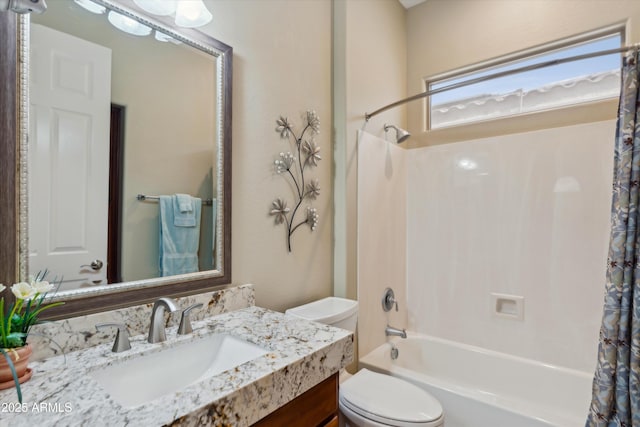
x,y
81,66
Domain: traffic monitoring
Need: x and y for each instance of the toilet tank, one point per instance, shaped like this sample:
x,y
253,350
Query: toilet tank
x,y
334,311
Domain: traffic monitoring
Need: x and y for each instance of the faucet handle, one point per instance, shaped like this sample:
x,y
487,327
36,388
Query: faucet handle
x,y
122,336
389,300
185,322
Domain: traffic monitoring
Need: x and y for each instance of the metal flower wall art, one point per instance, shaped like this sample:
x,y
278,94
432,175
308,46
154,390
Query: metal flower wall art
x,y
305,156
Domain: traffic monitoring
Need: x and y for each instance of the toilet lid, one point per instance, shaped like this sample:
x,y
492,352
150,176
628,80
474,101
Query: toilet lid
x,y
383,398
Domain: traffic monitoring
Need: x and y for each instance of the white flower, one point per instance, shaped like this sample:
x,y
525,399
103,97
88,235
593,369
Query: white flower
x,y
23,290
313,121
313,153
313,189
284,128
2,287
285,163
312,218
41,287
279,210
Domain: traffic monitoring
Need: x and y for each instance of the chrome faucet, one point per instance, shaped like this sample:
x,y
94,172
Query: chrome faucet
x,y
156,328
390,330
185,322
122,336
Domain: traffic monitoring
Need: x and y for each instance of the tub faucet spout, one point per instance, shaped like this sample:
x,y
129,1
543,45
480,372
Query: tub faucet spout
x,y
390,330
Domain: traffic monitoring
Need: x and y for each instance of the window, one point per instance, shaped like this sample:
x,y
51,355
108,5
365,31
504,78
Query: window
x,y
546,88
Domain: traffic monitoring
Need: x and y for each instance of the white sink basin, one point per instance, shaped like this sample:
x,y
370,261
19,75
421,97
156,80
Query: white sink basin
x,y
145,378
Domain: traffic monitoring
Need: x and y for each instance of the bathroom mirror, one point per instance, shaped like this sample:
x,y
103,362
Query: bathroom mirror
x,y
160,106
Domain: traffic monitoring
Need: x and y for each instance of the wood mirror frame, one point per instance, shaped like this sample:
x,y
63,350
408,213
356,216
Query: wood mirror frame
x,y
11,90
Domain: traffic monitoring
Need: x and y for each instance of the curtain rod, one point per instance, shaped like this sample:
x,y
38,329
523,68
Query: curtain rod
x,y
549,63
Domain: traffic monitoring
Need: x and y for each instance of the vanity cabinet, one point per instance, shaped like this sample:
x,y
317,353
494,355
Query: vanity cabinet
x,y
333,422
317,407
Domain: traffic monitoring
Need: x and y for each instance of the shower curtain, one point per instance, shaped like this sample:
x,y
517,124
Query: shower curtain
x,y
616,384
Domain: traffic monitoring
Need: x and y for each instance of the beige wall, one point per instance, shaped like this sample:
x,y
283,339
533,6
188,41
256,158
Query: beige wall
x,y
370,71
282,66
168,150
444,35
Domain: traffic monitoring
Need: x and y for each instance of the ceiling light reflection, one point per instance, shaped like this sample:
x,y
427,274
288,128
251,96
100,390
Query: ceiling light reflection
x,y
192,13
128,25
162,37
467,164
158,7
91,6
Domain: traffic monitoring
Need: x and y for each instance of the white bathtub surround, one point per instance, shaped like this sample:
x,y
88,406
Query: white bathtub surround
x,y
525,215
382,237
301,354
506,247
80,333
479,387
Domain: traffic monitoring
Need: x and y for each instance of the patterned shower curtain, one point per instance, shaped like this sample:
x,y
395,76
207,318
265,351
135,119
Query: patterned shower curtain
x,y
616,383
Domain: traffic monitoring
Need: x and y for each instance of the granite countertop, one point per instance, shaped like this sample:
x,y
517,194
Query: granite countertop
x,y
300,355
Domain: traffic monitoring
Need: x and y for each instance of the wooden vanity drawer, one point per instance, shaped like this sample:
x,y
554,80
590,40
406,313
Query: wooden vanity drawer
x,y
317,407
333,422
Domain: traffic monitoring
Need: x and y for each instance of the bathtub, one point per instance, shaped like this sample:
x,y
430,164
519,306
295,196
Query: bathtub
x,y
483,388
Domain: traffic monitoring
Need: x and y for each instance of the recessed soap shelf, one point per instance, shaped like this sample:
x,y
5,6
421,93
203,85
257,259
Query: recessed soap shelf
x,y
507,306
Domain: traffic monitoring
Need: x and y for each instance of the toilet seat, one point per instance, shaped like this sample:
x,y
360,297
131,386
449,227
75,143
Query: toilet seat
x,y
390,401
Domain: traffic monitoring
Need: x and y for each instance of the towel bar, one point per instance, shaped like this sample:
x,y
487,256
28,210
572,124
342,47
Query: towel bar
x,y
142,198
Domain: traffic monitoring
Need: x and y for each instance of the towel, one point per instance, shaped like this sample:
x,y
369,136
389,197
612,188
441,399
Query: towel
x,y
183,212
184,202
178,251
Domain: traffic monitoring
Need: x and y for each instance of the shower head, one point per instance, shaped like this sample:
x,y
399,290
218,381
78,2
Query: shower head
x,y
401,134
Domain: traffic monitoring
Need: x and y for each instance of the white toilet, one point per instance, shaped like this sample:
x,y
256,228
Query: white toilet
x,y
370,399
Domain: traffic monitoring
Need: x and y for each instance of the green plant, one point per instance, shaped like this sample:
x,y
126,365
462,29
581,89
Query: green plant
x,y
17,318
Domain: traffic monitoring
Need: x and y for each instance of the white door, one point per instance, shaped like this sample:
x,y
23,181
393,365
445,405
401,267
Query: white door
x,y
70,92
